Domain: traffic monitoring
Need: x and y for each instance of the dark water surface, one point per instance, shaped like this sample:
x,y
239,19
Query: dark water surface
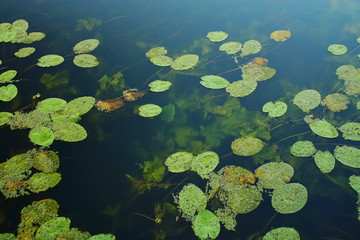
x,y
94,192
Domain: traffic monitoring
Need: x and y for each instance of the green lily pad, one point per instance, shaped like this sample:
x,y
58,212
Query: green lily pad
x,y
34,37
247,146
50,60
325,161
159,86
250,47
303,149
24,52
354,182
241,88
323,129
349,156
307,100
179,162
86,46
162,60
217,36
283,233
230,47
51,105
149,110
205,162
206,225
351,131
69,131
274,174
5,117
46,161
156,51
8,92
102,237
20,25
52,228
289,198
85,61
185,62
276,109
214,82
40,182
191,199
7,76
42,136
337,49
243,199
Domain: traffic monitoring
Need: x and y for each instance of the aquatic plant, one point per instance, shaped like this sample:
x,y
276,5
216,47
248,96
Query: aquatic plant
x,y
276,109
285,233
247,146
274,174
217,36
303,149
289,198
337,49
323,129
206,225
214,82
159,86
325,161
280,35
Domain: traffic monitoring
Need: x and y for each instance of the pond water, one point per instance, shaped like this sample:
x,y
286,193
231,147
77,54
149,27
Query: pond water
x,y
114,180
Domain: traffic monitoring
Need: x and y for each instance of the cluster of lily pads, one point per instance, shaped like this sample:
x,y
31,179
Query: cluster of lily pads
x,y
40,220
238,189
33,171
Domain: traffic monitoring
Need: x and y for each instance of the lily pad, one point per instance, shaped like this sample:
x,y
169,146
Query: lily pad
x,y
351,131
283,233
40,182
307,100
276,109
274,174
230,47
149,110
185,62
162,60
50,60
337,49
303,149
289,198
51,105
159,86
86,46
241,88
85,61
349,156
191,199
156,51
42,136
7,76
280,35
250,47
24,52
205,162
8,92
69,131
217,36
336,102
325,161
179,162
247,146
206,225
5,117
214,82
323,129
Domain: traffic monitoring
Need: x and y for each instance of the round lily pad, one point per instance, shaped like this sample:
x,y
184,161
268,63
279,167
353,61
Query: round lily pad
x,y
351,131
349,156
336,102
206,225
42,136
214,82
149,110
247,146
303,149
53,228
280,35
85,61
185,62
230,47
289,198
250,47
276,109
337,49
51,105
86,46
274,174
179,162
20,25
205,162
8,92
323,129
241,88
40,182
191,199
282,233
50,60
243,199
159,86
217,36
307,99
325,161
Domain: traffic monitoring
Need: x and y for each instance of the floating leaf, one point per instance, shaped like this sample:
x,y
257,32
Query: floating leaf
x,y
69,131
303,149
20,25
289,198
52,228
162,60
354,182
348,73
280,35
7,76
5,117
206,225
191,200
34,37
250,47
149,110
42,136
8,92
24,52
179,162
205,162
247,146
79,106
230,47
336,102
102,237
274,174
85,61
283,233
323,129
159,86
51,105
50,60
214,82
325,161
156,51
40,182
241,88
86,46
185,62
349,156
351,131
307,100
276,109
46,161
217,36
337,49
243,199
